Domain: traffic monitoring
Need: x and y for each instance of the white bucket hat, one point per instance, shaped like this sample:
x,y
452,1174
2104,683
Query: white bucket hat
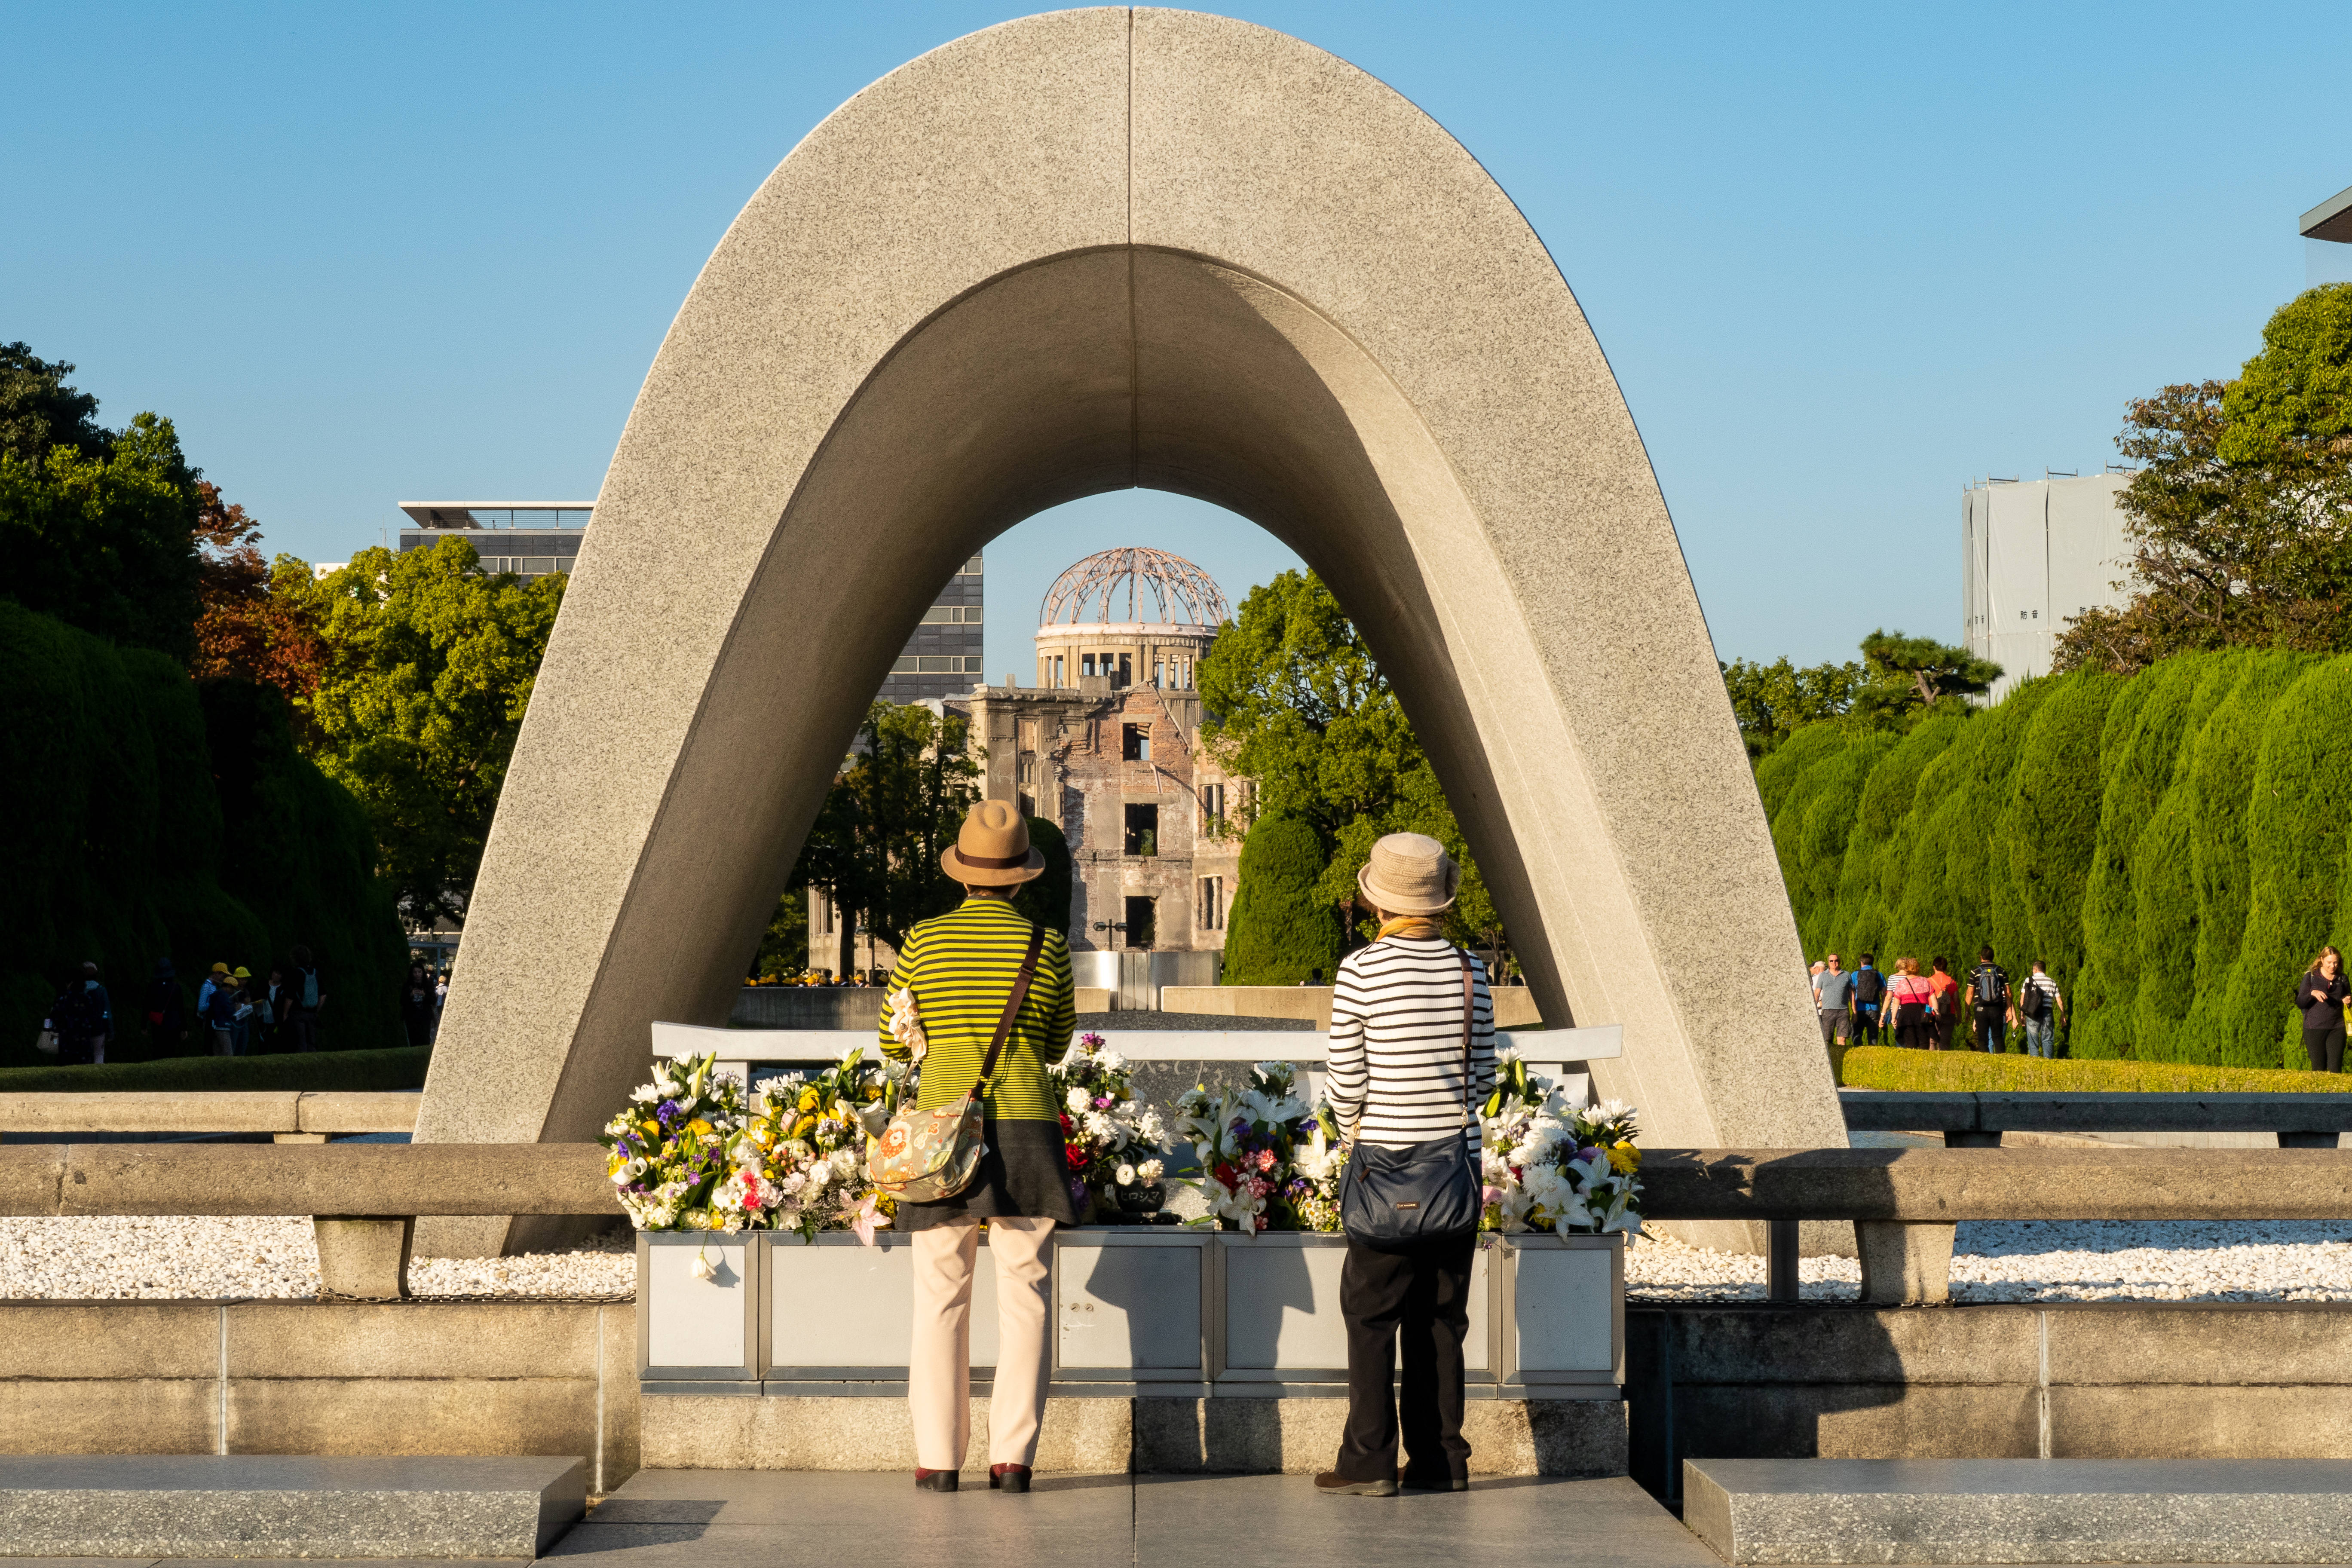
x,y
1410,874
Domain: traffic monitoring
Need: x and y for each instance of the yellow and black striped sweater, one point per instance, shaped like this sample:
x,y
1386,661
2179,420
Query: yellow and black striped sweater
x,y
961,968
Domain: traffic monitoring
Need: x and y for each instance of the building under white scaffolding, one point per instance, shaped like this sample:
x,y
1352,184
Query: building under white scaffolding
x,y
2035,553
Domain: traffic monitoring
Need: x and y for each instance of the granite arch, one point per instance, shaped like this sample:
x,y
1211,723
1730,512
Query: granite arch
x,y
1077,252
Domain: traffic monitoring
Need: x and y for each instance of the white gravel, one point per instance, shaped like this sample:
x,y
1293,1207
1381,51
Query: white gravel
x,y
266,1260
2051,1260
2089,1260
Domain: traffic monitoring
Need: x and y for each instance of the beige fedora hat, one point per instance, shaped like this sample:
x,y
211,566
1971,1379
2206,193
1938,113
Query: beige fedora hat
x,y
992,850
1410,874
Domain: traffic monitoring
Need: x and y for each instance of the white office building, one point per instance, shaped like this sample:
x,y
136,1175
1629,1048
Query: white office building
x,y
2033,555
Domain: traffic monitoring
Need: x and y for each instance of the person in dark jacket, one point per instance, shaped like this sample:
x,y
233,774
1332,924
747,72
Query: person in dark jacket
x,y
167,1013
81,1017
416,1006
2319,996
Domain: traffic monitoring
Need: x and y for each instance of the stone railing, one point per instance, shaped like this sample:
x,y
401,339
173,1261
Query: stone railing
x,y
1904,1202
1978,1121
289,1116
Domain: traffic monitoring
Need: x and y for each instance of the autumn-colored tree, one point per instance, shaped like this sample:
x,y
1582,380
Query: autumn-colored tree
x,y
244,630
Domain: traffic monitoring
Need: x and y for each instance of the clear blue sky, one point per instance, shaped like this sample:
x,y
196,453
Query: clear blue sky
x,y
1843,259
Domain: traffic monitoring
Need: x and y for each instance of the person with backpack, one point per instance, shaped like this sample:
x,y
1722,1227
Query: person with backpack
x,y
1986,1004
1947,1016
1869,1003
2319,996
309,996
81,1017
2039,1008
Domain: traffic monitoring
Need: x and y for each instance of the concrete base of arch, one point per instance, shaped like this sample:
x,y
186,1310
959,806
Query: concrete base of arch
x,y
1079,252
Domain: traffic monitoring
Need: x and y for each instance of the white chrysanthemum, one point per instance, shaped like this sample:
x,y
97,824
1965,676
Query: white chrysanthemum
x,y
1125,1175
1076,1100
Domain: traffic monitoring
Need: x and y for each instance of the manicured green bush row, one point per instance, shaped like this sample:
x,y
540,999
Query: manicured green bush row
x,y
147,816
1973,1072
2174,845
363,1071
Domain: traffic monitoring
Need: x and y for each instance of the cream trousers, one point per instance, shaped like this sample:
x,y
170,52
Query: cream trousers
x,y
938,1365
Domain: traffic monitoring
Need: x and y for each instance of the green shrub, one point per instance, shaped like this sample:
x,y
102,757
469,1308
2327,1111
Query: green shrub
x,y
2221,779
1988,873
2138,753
151,823
1926,916
2295,863
2052,820
1278,930
1974,1072
1832,792
367,1071
1877,854
1801,749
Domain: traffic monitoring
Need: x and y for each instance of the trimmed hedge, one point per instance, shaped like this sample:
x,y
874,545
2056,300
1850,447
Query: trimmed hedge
x,y
1886,1067
2174,845
365,1071
1277,930
151,817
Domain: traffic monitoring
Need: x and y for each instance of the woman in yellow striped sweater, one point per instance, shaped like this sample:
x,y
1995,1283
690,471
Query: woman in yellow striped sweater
x,y
955,975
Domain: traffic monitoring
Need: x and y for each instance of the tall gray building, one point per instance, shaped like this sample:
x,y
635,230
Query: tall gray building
x,y
533,538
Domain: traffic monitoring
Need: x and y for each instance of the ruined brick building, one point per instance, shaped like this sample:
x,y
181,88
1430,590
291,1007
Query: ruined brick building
x,y
1106,744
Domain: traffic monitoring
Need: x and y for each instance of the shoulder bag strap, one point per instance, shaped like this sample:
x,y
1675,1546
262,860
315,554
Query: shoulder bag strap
x,y
1012,1007
1469,1016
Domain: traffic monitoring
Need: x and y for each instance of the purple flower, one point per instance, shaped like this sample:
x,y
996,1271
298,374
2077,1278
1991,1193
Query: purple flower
x,y
1104,1102
1077,1190
666,1112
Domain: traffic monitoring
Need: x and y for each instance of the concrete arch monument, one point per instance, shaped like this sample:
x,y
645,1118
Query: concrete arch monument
x,y
1079,252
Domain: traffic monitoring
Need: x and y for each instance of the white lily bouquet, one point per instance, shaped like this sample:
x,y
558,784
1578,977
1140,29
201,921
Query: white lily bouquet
x,y
1247,1139
693,1151
1549,1166
1110,1140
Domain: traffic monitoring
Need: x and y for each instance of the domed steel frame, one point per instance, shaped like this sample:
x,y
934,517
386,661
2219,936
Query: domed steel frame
x,y
1169,577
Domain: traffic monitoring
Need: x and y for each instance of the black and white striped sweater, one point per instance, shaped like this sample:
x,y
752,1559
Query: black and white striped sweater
x,y
1396,1042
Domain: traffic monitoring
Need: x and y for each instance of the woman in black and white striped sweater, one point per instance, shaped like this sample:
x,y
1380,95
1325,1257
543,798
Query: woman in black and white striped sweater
x,y
1396,1076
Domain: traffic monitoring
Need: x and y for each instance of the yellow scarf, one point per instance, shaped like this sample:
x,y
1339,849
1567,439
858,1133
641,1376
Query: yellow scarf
x,y
1411,925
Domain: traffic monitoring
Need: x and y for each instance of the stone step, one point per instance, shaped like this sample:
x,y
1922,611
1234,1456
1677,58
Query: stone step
x,y
2020,1511
267,1505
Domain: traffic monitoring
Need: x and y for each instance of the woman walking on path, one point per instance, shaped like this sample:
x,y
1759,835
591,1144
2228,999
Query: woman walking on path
x,y
955,977
1911,1002
1402,1011
2320,998
1947,1011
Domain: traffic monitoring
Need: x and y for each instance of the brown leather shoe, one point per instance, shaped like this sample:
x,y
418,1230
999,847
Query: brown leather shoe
x,y
935,1480
1008,1477
1331,1483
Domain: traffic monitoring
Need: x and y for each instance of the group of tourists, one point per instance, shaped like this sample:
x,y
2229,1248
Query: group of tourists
x,y
1928,1011
236,1014
982,1001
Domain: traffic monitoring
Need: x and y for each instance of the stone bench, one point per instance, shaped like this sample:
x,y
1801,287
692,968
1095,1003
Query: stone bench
x,y
2020,1511
269,1504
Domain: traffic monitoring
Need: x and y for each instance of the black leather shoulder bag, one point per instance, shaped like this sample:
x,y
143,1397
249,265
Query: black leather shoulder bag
x,y
1394,1199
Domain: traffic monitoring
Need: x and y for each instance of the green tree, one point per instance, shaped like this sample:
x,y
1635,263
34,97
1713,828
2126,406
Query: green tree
x,y
2138,753
427,666
1281,928
1909,674
103,540
1047,899
2239,510
2050,823
39,411
893,810
1772,701
1295,702
783,950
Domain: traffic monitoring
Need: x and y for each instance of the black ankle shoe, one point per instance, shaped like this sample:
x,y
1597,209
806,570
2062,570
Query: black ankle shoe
x,y
1008,1477
1413,1483
935,1480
